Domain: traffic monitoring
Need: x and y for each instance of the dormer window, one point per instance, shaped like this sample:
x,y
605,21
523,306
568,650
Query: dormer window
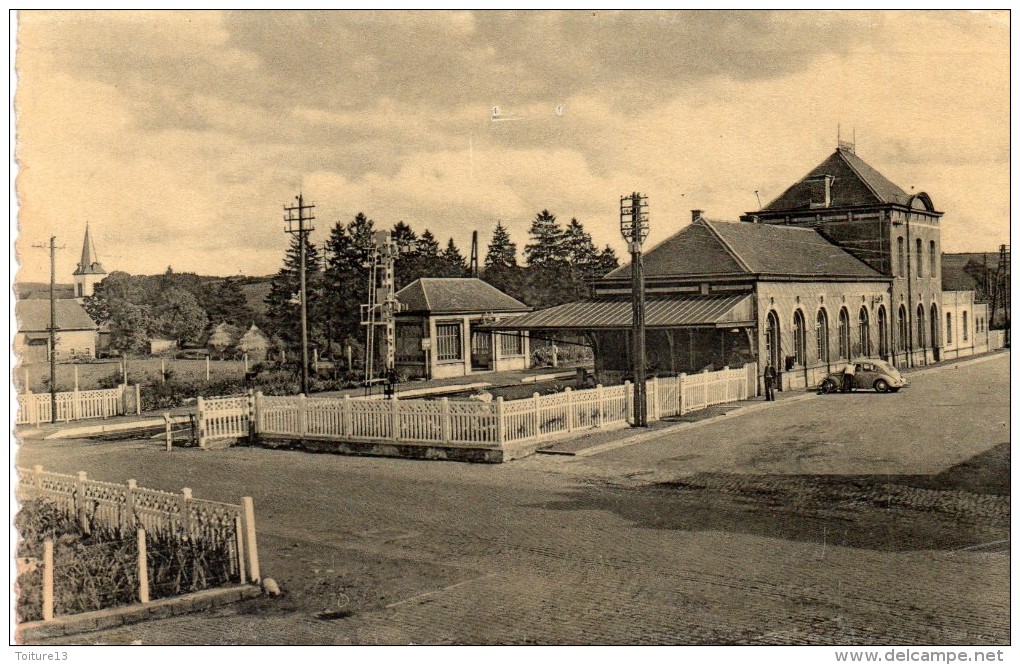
x,y
821,191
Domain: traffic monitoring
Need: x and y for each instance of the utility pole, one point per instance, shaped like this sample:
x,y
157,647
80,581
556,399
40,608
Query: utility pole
x,y
300,214
634,229
53,325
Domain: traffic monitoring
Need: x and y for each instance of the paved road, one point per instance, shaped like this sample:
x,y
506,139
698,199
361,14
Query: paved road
x,y
866,519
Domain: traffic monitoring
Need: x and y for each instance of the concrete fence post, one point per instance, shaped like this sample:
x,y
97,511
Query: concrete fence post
x,y
79,500
168,426
143,569
47,581
302,414
600,397
568,420
536,404
200,404
681,387
260,405
250,544
38,475
628,391
652,397
394,418
239,545
445,420
185,506
76,398
129,504
500,426
347,416
251,414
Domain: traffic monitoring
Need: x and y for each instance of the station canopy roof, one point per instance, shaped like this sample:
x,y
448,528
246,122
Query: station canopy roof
x,y
675,312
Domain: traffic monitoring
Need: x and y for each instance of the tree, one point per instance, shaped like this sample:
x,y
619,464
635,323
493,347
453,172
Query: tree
x,y
606,262
129,328
284,300
502,252
545,247
346,278
225,301
115,290
453,263
577,248
179,316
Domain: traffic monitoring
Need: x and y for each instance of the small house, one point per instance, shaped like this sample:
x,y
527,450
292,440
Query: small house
x,y
439,329
77,334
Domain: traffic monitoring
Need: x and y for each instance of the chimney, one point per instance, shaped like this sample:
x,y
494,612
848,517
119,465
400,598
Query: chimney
x,y
696,215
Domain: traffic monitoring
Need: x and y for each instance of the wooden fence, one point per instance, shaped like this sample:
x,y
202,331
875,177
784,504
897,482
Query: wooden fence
x,y
467,422
129,507
36,408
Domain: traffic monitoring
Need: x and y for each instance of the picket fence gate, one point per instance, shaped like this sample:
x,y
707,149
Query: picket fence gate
x,y
467,423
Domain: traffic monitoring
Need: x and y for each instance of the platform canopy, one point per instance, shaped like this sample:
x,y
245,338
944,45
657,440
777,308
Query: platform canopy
x,y
676,312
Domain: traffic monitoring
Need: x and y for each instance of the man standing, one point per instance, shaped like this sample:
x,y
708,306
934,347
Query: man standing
x,y
848,377
770,382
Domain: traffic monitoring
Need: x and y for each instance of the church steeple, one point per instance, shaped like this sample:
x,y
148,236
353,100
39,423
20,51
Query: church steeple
x,y
89,271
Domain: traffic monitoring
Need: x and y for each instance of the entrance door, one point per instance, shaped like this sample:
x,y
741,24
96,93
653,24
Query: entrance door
x,y
481,350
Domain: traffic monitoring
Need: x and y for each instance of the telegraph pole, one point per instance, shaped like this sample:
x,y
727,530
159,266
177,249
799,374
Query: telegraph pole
x,y
53,325
634,229
300,214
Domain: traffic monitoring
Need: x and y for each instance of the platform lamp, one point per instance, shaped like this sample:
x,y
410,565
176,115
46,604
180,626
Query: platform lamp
x,y
634,229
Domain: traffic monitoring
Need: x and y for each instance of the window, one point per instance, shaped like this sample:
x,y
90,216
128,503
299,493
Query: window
x,y
511,344
448,342
822,335
799,340
844,334
901,261
932,260
920,263
949,327
772,342
903,328
81,290
920,326
964,322
883,333
864,328
934,325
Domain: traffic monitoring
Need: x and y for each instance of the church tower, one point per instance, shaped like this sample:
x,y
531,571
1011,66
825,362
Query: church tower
x,y
89,272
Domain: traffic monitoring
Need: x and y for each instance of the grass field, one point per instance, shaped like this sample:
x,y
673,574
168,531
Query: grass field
x,y
139,371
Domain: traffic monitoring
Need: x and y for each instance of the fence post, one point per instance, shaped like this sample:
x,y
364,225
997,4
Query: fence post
x,y
199,402
302,414
629,395
185,504
169,431
138,399
652,397
347,416
76,398
394,418
207,368
682,397
600,396
129,503
536,403
143,569
500,427
259,415
38,476
252,417
47,583
251,547
568,420
445,421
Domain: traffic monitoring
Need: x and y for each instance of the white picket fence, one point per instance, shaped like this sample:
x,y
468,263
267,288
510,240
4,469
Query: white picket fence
x,y
467,422
37,408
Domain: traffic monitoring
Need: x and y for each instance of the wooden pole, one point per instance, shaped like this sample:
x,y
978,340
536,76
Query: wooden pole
x,y
207,368
162,370
47,590
251,546
76,377
53,329
143,569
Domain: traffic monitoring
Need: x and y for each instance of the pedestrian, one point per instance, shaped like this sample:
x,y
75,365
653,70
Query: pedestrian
x,y
848,377
770,382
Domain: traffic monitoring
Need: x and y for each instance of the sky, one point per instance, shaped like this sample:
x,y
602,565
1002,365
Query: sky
x,y
179,136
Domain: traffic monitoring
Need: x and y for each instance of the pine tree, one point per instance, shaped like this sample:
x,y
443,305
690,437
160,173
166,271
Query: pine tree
x,y
225,302
428,246
346,278
453,261
606,262
284,300
546,241
502,252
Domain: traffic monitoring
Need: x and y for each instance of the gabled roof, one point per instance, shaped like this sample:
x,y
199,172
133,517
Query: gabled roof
x,y
713,248
456,295
34,316
855,183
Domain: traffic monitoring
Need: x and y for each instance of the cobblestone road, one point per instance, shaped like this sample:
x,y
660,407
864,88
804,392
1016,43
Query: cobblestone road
x,y
861,519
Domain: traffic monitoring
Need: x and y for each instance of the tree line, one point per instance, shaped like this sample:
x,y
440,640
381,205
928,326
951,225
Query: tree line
x,y
560,264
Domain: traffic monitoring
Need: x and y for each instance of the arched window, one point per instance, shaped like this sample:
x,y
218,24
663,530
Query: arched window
x,y
949,327
799,338
902,323
883,333
773,350
901,260
920,263
844,334
934,326
822,335
864,332
920,327
932,260
963,321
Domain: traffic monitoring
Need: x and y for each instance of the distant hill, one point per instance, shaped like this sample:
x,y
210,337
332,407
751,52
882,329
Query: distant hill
x,y
38,290
255,293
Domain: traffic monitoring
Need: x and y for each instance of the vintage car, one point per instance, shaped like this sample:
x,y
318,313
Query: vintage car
x,y
868,373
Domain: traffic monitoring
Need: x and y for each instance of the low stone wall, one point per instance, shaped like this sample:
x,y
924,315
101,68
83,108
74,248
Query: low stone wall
x,y
418,451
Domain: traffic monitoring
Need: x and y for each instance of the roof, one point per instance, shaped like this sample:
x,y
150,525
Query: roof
x,y
711,247
89,264
455,295
691,311
34,316
855,183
